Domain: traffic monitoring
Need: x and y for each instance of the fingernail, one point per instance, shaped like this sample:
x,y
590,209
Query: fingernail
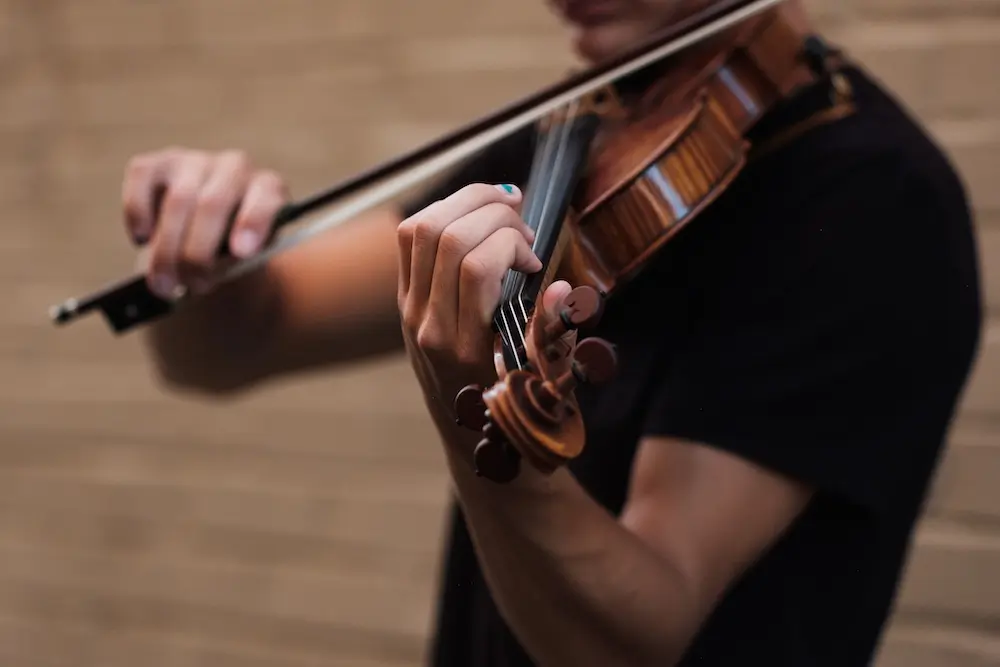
x,y
508,188
245,242
164,285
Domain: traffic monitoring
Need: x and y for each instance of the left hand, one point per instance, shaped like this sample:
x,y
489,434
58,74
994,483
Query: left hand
x,y
453,256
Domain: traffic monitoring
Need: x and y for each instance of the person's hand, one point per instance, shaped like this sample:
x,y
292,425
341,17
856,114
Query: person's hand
x,y
178,204
453,256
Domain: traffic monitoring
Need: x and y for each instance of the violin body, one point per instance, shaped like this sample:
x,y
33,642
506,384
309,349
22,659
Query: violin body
x,y
675,152
655,165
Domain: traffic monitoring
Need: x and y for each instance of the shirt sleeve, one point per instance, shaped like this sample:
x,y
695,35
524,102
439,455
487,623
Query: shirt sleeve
x,y
833,347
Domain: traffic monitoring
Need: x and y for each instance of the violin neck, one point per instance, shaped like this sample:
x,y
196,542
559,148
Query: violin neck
x,y
560,156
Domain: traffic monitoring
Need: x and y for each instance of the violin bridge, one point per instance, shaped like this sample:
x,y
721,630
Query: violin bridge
x,y
605,102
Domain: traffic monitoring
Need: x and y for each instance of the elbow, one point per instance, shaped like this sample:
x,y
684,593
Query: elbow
x,y
199,362
200,381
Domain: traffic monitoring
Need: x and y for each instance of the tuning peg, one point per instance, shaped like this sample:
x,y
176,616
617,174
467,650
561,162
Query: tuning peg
x,y
582,308
470,409
495,459
595,361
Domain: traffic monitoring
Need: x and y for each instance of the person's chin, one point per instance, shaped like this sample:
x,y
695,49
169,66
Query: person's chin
x,y
596,44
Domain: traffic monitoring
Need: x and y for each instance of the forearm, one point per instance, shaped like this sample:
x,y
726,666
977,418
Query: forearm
x,y
575,586
211,344
328,301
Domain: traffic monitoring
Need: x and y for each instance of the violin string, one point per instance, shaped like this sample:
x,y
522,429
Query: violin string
x,y
519,298
564,136
553,150
509,340
543,157
513,278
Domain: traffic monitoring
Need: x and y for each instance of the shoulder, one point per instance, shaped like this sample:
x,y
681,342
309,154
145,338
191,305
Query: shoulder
x,y
880,153
867,202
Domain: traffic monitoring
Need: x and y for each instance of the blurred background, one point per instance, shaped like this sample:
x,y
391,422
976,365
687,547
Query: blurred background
x,y
302,525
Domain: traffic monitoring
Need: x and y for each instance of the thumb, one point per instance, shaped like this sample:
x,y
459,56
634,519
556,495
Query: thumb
x,y
525,259
554,295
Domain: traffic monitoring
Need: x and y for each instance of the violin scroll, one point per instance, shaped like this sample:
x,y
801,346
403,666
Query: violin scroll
x,y
532,413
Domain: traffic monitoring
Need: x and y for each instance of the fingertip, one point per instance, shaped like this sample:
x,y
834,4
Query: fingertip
x,y
244,242
509,189
143,259
555,294
138,237
561,286
163,284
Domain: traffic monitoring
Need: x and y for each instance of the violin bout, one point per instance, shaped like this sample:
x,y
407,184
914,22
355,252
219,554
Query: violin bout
x,y
532,413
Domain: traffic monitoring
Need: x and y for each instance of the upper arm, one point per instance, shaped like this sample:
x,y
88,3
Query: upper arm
x,y
709,512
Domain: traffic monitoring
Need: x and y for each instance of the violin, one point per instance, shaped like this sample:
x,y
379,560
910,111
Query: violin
x,y
619,169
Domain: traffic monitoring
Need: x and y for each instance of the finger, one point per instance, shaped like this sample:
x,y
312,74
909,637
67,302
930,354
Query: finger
x,y
476,196
458,240
404,239
553,297
145,178
217,201
266,195
481,273
142,260
426,227
178,205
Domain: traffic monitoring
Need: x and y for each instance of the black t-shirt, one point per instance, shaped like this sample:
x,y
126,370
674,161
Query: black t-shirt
x,y
819,319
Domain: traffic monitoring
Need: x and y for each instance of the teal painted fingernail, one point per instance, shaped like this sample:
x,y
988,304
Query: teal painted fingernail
x,y
508,188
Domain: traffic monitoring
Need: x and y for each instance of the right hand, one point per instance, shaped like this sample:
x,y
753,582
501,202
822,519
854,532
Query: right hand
x,y
178,203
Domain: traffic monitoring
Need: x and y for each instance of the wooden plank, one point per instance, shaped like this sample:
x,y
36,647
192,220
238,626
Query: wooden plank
x,y
965,486
275,425
54,606
156,460
343,600
29,645
182,541
374,521
954,570
936,645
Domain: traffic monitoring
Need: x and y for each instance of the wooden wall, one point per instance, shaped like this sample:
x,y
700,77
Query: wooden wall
x,y
301,526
